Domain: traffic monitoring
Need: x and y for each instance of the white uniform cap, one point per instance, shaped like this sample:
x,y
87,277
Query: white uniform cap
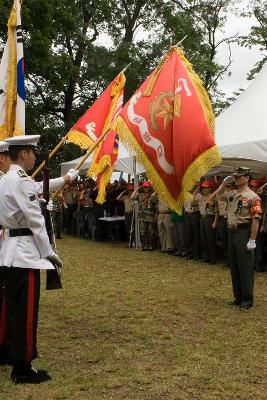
x,y
23,140
3,147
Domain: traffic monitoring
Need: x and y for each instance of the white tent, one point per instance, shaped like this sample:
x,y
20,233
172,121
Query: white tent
x,y
241,130
124,163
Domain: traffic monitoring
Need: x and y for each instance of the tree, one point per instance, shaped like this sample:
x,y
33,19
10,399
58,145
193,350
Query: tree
x,y
258,33
74,49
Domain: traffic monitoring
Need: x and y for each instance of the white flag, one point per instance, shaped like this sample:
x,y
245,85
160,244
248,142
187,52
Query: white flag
x,y
12,89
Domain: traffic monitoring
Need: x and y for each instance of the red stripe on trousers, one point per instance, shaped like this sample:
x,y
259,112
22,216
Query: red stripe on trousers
x,y
30,310
3,320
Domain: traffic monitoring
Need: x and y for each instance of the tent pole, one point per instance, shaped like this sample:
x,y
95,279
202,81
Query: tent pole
x,y
136,208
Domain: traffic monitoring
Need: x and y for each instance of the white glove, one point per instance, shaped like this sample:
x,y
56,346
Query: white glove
x,y
73,174
55,260
229,179
50,205
251,245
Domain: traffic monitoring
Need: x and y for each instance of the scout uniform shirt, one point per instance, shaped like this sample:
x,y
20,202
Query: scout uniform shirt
x,y
242,207
190,207
205,207
221,206
19,208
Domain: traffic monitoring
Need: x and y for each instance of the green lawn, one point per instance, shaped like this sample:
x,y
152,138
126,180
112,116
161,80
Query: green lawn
x,y
144,325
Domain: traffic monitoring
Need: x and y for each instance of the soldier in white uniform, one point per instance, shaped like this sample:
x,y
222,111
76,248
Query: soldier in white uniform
x,y
4,166
24,253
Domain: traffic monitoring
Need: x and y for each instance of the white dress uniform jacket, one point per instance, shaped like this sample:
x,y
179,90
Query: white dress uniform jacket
x,y
19,208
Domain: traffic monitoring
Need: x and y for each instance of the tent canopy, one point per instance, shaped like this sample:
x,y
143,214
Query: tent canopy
x,y
241,130
124,163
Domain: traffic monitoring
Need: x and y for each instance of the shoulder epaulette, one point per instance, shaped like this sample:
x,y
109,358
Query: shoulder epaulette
x,y
22,173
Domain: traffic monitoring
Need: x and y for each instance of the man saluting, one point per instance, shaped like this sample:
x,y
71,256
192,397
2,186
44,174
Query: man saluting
x,y
24,253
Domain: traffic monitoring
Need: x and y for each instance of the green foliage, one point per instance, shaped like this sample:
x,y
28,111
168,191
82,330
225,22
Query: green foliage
x,y
258,34
74,49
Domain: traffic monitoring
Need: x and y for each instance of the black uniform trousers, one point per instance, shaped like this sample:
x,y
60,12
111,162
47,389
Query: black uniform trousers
x,y
192,234
222,236
2,316
242,265
208,238
22,305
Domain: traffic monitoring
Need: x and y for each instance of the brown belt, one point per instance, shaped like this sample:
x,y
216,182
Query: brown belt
x,y
245,225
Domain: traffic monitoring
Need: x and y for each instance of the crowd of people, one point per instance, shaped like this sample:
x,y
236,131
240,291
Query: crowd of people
x,y
199,233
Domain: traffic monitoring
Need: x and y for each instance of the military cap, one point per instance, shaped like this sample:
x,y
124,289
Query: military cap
x,y
4,147
241,171
24,140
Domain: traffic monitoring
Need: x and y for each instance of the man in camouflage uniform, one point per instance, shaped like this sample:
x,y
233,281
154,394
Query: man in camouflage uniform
x,y
146,214
244,213
192,230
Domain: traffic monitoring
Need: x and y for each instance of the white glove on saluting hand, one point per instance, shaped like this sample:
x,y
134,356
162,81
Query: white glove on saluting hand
x,y
251,245
73,174
229,179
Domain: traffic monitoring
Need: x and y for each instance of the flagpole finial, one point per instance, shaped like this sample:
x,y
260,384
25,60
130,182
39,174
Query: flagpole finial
x,y
124,69
181,41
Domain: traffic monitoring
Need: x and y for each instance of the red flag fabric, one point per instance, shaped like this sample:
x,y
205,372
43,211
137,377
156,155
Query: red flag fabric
x,y
98,116
169,125
106,156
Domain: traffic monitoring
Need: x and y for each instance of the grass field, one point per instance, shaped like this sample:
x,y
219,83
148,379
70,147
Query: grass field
x,y
138,325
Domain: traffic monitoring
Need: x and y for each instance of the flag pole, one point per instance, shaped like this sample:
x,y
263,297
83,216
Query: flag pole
x,y
41,166
63,140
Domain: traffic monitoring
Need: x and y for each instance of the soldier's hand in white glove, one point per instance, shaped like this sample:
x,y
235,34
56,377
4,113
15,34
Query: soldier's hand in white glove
x,y
73,174
55,260
251,245
229,179
50,205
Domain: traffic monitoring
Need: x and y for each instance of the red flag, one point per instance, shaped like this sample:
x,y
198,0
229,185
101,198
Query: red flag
x,y
98,116
169,125
106,156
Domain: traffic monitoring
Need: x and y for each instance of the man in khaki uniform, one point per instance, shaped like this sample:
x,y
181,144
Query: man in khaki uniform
x,y
164,227
244,213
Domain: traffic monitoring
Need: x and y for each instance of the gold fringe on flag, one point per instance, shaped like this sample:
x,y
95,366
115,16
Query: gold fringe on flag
x,y
104,164
80,139
198,167
104,167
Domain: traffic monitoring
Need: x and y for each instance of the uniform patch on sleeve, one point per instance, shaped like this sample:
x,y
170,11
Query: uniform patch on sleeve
x,y
256,207
22,173
32,198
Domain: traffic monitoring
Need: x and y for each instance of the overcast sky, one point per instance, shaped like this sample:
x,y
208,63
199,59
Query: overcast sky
x,y
243,58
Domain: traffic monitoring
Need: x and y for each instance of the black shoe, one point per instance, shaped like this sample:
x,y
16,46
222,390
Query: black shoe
x,y
234,303
188,257
29,375
213,262
245,306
